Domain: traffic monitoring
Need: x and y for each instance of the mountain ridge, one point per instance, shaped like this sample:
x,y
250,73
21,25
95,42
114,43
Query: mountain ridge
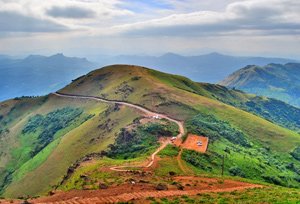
x,y
90,127
212,67
274,80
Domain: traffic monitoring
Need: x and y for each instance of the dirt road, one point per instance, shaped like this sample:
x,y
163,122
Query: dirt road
x,y
137,107
139,192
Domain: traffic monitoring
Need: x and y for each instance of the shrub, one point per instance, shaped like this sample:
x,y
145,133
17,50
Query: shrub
x,y
213,128
202,161
135,78
272,179
236,171
296,153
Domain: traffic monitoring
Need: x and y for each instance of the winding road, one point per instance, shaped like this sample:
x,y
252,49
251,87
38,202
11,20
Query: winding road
x,y
139,108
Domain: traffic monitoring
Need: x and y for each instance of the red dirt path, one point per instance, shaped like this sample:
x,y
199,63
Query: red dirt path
x,y
141,191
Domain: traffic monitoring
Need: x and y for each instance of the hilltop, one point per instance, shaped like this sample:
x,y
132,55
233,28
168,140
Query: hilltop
x,y
211,67
274,80
63,143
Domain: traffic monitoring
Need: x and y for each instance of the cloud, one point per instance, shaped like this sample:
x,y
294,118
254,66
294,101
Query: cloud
x,y
16,22
71,12
76,15
261,17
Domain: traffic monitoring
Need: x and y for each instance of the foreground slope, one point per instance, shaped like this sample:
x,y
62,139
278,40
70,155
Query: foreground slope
x,y
37,157
274,80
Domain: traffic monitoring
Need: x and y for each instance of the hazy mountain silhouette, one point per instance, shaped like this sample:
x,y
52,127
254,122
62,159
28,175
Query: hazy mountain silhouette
x,y
212,67
38,75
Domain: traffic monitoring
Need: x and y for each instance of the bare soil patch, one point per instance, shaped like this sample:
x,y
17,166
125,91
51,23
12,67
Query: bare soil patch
x,y
140,190
195,142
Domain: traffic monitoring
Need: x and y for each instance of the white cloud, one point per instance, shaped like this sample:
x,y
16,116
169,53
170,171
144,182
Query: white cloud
x,y
120,26
261,17
66,12
16,22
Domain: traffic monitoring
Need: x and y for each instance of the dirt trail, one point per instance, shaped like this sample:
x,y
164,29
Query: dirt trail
x,y
137,107
140,192
183,168
126,197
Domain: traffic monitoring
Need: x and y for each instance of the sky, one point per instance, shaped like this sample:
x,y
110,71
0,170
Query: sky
x,y
150,27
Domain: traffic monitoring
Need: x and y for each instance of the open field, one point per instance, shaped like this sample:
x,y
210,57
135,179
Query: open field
x,y
195,142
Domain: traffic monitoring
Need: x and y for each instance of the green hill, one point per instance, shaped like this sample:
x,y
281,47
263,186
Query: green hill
x,y
274,80
44,138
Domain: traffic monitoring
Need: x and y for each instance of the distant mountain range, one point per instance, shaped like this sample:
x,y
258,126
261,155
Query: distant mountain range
x,y
38,75
211,68
274,80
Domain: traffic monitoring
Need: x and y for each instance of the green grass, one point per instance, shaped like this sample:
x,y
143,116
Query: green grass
x,y
90,176
269,195
167,165
175,96
252,163
78,142
36,161
141,140
169,151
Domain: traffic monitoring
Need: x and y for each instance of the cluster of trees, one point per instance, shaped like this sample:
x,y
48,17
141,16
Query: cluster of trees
x,y
275,111
133,143
209,126
201,161
49,124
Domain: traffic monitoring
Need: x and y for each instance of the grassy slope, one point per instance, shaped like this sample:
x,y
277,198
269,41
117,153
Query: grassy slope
x,y
84,139
268,195
160,92
182,99
13,112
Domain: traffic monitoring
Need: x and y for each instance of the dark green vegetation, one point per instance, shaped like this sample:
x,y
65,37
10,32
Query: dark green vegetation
x,y
274,80
215,129
296,153
138,141
242,158
276,111
45,127
38,132
267,196
71,132
254,148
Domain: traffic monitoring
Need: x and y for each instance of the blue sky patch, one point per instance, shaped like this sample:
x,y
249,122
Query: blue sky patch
x,y
139,6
